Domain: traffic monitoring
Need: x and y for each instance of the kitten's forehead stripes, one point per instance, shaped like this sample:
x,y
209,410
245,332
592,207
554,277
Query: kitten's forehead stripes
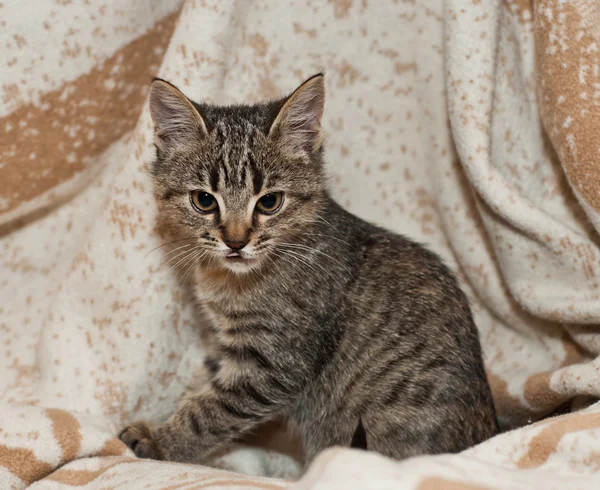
x,y
235,165
214,178
257,175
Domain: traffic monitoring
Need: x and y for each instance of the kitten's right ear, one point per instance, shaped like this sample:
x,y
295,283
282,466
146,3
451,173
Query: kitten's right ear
x,y
176,121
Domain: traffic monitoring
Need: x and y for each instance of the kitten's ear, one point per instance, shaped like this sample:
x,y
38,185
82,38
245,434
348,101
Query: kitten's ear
x,y
176,121
297,127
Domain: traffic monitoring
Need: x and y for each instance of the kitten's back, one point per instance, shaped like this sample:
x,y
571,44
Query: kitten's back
x,y
408,364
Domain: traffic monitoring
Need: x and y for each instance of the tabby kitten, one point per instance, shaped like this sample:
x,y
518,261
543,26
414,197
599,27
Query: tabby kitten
x,y
349,331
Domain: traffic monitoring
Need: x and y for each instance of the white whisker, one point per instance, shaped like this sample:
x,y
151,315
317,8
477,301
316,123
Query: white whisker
x,y
186,246
170,260
298,246
332,237
167,243
304,260
194,263
187,254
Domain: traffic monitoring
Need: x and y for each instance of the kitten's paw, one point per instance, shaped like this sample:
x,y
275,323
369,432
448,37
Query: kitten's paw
x,y
138,437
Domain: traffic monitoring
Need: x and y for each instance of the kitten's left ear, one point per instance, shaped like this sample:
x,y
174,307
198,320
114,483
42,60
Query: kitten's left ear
x,y
297,127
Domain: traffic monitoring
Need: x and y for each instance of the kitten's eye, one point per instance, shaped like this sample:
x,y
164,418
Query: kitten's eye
x,y
203,202
270,203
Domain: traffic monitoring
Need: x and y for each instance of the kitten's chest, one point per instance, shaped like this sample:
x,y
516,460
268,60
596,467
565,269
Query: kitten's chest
x,y
224,302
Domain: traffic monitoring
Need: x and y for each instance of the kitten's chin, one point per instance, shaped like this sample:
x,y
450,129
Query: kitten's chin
x,y
241,266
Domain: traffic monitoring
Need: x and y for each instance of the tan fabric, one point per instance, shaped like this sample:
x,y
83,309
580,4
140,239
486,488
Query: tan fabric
x,y
471,126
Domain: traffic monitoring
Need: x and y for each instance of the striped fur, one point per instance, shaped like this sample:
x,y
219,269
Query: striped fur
x,y
347,330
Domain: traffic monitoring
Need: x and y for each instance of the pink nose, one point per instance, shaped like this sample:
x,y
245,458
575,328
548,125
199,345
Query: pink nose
x,y
235,245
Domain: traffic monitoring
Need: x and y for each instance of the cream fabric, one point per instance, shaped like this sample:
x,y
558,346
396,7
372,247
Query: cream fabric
x,y
469,125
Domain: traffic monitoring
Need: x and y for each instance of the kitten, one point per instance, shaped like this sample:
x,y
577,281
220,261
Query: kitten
x,y
350,332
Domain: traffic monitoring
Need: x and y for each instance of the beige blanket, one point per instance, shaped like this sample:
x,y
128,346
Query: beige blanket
x,y
470,125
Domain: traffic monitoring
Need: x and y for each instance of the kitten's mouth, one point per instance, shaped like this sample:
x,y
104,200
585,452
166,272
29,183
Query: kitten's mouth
x,y
235,256
238,261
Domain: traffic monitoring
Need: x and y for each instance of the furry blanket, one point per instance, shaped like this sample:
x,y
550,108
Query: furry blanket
x,y
470,125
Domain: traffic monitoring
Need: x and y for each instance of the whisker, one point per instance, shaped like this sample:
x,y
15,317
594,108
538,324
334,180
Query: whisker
x,y
280,254
332,237
175,257
187,245
193,264
326,222
187,254
167,243
283,257
328,275
190,258
316,250
302,259
312,249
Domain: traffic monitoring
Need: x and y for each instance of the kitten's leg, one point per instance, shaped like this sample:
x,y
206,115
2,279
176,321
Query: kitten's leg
x,y
332,431
203,422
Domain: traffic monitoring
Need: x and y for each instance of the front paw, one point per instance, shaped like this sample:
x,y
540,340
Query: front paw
x,y
138,437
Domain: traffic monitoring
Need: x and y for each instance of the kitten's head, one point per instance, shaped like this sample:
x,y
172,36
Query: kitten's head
x,y
240,181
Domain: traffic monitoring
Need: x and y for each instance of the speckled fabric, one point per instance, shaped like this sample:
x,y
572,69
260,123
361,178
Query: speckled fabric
x,y
470,125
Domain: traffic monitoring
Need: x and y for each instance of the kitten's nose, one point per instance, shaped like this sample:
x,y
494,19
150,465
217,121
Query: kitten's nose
x,y
235,245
